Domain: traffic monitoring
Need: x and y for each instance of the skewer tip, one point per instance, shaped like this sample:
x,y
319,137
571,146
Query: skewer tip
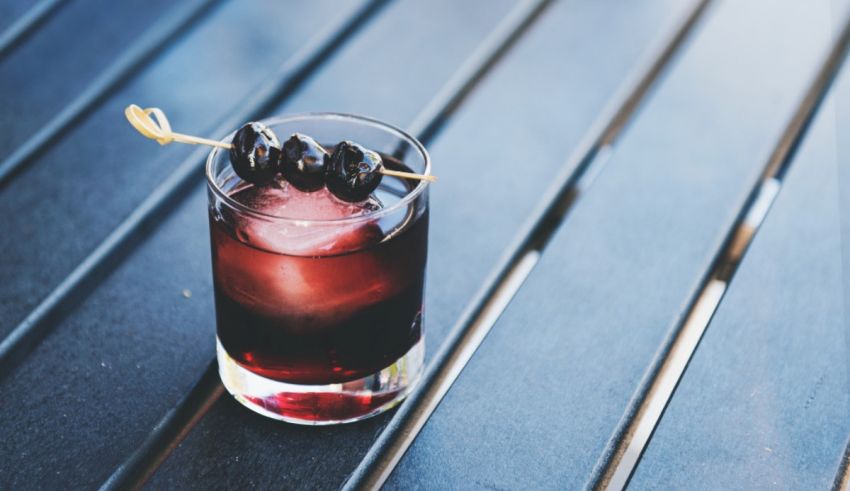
x,y
409,175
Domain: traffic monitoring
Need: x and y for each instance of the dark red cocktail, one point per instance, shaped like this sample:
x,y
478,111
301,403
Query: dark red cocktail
x,y
319,300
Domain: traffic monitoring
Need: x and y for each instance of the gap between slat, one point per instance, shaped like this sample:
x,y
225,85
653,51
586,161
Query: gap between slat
x,y
659,386
842,477
168,433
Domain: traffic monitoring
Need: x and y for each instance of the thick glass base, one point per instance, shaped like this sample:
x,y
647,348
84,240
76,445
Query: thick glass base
x,y
323,404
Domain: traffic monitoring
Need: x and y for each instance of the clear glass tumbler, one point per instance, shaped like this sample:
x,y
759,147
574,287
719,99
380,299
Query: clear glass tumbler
x,y
319,320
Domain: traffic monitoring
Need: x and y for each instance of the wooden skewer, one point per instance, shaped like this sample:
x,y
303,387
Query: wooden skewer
x,y
408,175
152,123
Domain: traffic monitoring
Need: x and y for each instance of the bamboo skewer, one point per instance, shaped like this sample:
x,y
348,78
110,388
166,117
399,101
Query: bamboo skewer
x,y
408,175
152,123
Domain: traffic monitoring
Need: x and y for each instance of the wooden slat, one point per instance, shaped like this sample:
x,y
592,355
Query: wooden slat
x,y
542,402
764,401
159,351
19,19
164,31
42,76
262,450
12,11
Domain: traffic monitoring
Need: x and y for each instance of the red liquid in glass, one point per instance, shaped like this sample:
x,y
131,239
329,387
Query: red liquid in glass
x,y
344,306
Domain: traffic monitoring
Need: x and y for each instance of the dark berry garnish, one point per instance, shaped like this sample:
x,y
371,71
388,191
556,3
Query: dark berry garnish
x,y
303,162
255,154
353,172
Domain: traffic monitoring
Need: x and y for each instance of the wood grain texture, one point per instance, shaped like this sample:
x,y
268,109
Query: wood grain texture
x,y
537,405
472,224
764,401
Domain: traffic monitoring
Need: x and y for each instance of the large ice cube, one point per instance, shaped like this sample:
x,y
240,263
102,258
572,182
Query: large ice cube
x,y
301,271
300,235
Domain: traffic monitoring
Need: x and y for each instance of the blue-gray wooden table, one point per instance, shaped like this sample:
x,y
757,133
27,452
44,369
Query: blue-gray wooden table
x,y
634,275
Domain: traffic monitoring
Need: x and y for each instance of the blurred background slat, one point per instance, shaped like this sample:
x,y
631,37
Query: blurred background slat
x,y
19,19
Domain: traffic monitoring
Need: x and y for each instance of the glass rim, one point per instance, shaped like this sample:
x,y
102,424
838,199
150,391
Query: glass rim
x,y
403,202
